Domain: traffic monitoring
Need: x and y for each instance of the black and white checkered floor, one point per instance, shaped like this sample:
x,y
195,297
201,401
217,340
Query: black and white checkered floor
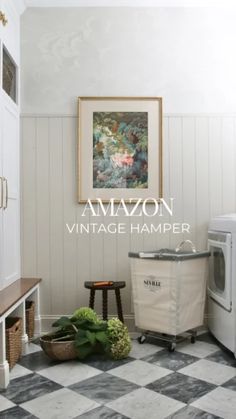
x,y
195,381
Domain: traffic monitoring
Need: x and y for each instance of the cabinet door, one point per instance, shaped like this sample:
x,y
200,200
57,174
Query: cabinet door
x,y
9,145
11,213
10,33
1,25
1,210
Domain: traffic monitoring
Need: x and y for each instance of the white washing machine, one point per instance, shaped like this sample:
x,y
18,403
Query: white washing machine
x,y
222,280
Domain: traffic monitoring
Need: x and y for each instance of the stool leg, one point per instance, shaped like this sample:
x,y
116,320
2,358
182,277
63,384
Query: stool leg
x,y
91,299
119,305
104,304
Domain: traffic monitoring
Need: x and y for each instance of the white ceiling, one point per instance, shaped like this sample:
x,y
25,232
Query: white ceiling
x,y
129,3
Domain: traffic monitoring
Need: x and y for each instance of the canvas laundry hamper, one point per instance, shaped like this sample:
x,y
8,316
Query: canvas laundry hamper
x,y
169,289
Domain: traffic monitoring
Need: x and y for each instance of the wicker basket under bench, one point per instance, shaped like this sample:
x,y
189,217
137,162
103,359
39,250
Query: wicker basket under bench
x,y
29,311
13,340
12,300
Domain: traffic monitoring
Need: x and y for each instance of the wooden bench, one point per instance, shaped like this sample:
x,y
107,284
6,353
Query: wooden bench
x,y
12,302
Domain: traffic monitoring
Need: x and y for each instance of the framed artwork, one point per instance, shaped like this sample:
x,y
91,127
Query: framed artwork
x,y
120,148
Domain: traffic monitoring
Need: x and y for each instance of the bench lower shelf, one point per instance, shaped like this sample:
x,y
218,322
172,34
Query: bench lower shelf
x,y
12,302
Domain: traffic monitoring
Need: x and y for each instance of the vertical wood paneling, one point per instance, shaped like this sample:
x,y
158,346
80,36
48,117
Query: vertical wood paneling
x,y
136,239
189,176
202,180
123,263
176,174
110,257
163,240
56,174
109,251
28,181
83,258
96,257
215,166
228,165
148,238
199,163
21,190
137,243
69,201
234,153
43,208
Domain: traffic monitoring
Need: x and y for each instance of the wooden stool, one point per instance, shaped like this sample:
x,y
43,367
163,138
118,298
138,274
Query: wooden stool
x,y
116,287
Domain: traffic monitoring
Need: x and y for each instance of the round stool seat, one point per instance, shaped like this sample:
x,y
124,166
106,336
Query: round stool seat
x,y
116,286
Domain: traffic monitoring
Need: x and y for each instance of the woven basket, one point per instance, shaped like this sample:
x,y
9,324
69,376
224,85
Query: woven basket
x,y
58,351
29,311
13,340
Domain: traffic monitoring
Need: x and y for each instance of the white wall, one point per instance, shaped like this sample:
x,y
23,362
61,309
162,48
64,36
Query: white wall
x,y
185,55
180,54
199,172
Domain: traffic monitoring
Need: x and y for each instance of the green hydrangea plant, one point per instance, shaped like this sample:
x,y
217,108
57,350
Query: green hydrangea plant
x,y
86,313
87,331
92,335
118,336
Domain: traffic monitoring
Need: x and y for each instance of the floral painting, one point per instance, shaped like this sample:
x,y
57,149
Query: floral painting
x,y
120,150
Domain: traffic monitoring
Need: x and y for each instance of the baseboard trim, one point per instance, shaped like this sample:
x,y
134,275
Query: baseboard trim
x,y
47,320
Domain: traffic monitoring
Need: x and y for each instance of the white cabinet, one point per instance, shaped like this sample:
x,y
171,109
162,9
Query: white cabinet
x,y
10,212
9,146
10,32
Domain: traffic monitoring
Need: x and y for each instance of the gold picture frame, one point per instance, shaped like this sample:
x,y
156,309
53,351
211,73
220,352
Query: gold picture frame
x,y
93,183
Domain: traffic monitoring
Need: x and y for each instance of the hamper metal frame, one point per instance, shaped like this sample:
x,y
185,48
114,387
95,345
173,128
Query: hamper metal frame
x,y
171,340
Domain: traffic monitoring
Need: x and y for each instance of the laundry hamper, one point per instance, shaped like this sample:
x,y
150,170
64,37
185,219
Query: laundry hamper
x,y
169,289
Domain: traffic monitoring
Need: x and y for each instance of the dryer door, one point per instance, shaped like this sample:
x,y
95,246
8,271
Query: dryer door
x,y
219,286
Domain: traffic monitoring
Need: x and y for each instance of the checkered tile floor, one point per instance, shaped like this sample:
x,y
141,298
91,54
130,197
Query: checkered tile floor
x,y
195,381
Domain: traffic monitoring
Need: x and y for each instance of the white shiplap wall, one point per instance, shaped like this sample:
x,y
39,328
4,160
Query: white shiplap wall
x,y
199,172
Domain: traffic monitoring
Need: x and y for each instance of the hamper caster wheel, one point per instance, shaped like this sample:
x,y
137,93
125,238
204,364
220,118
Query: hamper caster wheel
x,y
141,339
193,339
171,347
